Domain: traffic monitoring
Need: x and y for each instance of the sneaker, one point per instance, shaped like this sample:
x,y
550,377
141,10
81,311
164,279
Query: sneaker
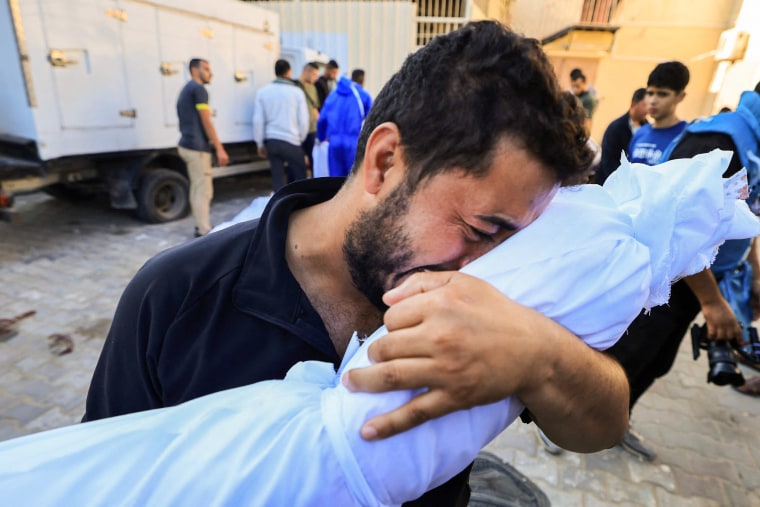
x,y
494,483
550,446
632,443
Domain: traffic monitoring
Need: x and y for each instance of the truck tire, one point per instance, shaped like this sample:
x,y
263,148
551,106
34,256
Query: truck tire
x,y
163,196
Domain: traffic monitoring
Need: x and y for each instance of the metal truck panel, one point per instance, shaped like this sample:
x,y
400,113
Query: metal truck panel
x,y
356,34
107,72
17,117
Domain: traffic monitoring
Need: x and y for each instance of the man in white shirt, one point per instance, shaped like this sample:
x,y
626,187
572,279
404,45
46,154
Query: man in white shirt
x,y
280,125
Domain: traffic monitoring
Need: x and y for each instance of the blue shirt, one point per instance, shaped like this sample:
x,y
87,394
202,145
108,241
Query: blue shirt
x,y
648,143
192,99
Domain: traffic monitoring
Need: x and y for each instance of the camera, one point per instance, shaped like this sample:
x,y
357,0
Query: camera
x,y
723,369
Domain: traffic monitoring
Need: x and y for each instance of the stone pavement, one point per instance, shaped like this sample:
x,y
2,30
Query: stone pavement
x,y
70,262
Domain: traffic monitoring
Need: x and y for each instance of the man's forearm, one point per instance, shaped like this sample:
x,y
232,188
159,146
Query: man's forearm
x,y
580,395
704,286
208,127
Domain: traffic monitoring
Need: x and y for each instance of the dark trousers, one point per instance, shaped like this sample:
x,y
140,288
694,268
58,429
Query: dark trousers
x,y
648,349
308,148
281,153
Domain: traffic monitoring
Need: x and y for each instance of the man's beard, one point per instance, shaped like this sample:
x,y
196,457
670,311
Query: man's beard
x,y
376,246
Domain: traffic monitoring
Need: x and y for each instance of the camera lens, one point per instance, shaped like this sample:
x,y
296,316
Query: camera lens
x,y
723,369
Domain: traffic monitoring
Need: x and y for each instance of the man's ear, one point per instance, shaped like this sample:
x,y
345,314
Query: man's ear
x,y
382,163
681,96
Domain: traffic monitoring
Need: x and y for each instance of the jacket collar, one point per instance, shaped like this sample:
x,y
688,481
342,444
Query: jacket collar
x,y
271,292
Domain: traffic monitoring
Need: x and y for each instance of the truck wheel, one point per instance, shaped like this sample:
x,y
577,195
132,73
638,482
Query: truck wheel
x,y
162,196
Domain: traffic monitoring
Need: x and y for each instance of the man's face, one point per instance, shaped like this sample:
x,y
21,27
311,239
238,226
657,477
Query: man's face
x,y
447,222
578,86
311,76
204,73
639,111
662,102
331,74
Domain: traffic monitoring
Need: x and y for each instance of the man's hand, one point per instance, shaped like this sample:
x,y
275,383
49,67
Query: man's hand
x,y
262,151
222,159
719,317
721,321
470,345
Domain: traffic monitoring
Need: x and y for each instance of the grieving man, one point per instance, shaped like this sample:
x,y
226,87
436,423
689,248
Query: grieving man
x,y
447,168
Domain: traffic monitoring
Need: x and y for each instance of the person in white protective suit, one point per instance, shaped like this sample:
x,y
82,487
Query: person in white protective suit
x,y
591,261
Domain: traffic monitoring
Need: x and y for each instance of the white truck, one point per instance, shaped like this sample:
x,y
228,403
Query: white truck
x,y
88,95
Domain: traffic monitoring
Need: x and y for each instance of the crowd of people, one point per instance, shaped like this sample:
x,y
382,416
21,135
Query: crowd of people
x,y
326,114
289,124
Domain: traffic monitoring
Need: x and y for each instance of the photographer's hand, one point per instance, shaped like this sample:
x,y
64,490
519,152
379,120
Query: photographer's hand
x,y
719,317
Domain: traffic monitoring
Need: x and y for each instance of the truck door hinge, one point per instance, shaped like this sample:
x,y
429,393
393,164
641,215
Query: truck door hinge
x,y
119,14
128,113
58,58
167,69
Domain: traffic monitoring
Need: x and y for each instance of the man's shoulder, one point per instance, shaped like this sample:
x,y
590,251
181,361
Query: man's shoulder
x,y
193,87
188,88
193,91
197,264
619,123
644,132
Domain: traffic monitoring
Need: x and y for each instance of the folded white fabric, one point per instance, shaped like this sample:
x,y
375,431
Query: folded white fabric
x,y
585,263
681,214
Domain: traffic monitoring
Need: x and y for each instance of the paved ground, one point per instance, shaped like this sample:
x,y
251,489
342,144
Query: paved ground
x,y
70,263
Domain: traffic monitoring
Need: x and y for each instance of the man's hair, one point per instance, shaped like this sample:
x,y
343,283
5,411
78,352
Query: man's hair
x,y
577,74
464,92
357,75
638,95
757,87
672,75
332,64
195,63
311,66
281,67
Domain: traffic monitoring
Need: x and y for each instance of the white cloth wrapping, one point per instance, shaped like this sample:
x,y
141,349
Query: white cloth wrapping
x,y
584,262
250,212
321,161
675,230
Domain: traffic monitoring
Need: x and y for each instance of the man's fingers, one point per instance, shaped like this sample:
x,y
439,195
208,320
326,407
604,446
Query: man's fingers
x,y
400,344
391,376
419,409
418,283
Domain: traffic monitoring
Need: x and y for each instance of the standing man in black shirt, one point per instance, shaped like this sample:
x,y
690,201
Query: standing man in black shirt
x,y
326,82
198,137
618,135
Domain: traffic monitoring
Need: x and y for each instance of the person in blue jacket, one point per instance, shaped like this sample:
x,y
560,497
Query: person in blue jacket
x,y
340,122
